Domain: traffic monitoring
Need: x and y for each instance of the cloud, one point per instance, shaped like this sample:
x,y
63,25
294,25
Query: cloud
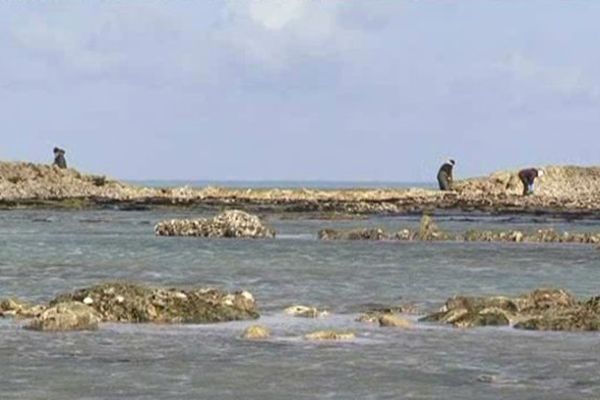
x,y
276,34
564,80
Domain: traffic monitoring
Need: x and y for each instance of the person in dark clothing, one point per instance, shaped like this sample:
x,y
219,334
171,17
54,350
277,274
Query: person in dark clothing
x,y
59,158
445,176
527,177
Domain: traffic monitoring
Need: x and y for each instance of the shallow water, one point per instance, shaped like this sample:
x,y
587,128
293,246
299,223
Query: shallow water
x,y
43,253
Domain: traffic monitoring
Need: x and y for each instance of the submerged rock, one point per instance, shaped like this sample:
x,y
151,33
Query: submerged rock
x,y
542,309
330,335
305,311
375,314
124,302
395,321
539,236
256,332
429,230
354,234
68,316
229,224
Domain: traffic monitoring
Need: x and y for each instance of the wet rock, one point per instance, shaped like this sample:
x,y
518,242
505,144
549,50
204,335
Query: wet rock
x,y
542,309
256,332
19,309
375,314
354,234
229,224
539,236
429,230
305,311
395,321
125,302
69,316
330,335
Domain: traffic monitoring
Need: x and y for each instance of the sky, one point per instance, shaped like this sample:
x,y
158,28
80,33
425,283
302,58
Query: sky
x,y
377,90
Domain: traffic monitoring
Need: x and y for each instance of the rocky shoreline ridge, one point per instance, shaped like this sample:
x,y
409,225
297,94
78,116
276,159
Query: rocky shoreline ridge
x,y
569,190
429,231
546,309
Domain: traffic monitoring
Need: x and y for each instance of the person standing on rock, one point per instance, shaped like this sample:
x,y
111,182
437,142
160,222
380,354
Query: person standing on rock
x,y
445,176
59,158
527,177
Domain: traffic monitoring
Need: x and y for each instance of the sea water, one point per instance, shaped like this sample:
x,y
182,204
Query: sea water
x,y
43,253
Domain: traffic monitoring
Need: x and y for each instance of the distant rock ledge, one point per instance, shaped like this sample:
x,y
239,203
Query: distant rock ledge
x,y
430,232
569,190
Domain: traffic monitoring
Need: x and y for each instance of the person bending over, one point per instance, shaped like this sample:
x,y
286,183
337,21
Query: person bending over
x,y
527,177
59,158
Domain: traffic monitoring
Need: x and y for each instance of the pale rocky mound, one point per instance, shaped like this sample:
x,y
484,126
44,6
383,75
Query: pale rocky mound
x,y
124,302
229,224
558,181
542,309
46,182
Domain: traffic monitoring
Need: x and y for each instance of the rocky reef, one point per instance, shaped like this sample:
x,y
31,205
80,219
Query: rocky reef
x,y
329,335
125,302
256,332
430,231
305,311
542,309
83,309
19,309
67,316
565,190
229,224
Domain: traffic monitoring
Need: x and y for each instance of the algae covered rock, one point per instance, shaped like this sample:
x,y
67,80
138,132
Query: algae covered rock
x,y
68,316
256,332
541,309
394,321
229,224
330,335
125,302
374,314
353,234
429,230
16,308
305,311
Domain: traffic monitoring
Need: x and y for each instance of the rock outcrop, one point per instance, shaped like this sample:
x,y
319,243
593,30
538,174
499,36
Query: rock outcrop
x,y
542,309
374,315
330,335
123,302
67,316
256,332
394,321
305,311
353,234
229,224
429,231
562,190
19,309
